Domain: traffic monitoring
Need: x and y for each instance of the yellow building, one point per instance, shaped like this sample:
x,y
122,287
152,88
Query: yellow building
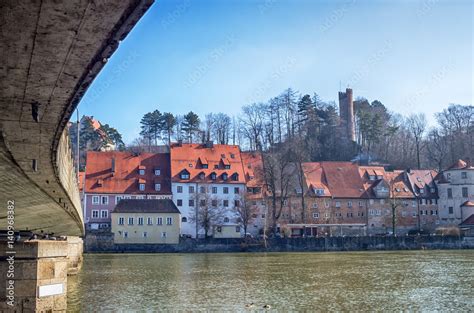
x,y
227,231
146,221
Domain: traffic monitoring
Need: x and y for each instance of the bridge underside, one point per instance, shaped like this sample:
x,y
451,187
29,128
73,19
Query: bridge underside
x,y
51,51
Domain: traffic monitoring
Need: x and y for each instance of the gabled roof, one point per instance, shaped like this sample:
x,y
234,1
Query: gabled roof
x,y
422,179
460,165
253,168
124,180
314,176
146,206
468,221
343,180
190,157
82,176
468,204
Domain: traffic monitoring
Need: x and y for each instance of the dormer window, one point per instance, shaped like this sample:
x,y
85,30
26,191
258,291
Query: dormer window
x,y
422,190
141,170
379,176
157,172
184,175
397,189
213,176
225,176
227,167
205,166
432,190
216,166
232,156
372,177
235,177
202,176
100,182
319,192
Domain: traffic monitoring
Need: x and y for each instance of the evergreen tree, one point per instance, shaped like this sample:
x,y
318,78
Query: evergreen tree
x,y
169,122
190,125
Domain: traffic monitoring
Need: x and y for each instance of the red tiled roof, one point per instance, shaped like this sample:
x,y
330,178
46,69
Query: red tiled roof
x,y
399,187
253,168
468,204
343,180
314,176
468,221
82,176
186,157
125,178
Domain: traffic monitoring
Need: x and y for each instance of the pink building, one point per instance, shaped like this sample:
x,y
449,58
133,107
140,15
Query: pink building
x,y
113,175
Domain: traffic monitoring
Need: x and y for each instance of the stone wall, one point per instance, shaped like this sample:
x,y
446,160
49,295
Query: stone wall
x,y
104,243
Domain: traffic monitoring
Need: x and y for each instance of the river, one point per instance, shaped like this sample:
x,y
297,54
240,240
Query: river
x,y
341,281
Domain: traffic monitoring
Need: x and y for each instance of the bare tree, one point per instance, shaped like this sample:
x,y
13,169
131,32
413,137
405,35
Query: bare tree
x,y
252,121
208,212
417,125
245,211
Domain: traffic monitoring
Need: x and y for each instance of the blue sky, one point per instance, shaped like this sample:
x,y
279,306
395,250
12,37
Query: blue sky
x,y
215,56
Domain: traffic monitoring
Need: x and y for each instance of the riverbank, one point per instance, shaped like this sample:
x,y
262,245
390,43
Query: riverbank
x,y
103,243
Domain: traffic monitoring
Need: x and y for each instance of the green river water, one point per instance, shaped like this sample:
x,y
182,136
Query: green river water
x,y
346,281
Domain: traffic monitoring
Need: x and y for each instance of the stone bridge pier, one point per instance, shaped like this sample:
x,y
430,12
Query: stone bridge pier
x,y
35,274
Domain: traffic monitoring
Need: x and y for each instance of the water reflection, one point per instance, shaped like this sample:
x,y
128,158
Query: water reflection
x,y
360,281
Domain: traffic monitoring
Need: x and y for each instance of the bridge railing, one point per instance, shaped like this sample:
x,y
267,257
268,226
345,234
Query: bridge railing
x,y
67,174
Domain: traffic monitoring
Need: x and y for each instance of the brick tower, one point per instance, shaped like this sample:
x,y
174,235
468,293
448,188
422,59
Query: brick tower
x,y
346,113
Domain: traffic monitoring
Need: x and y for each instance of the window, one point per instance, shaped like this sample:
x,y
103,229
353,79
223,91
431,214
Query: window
x,y
463,175
169,221
227,167
213,176
422,191
225,176
237,229
141,187
237,203
157,187
141,172
191,189
382,201
191,202
361,204
464,192
326,215
214,189
157,172
450,193
314,205
371,201
236,190
202,176
121,221
140,221
184,219
179,202
338,204
179,189
315,215
404,214
95,213
320,192
326,204
451,210
95,199
202,189
214,202
130,221
159,221
349,204
235,177
202,202
117,199
125,234
413,203
184,175
226,203
226,190
105,200
226,220
372,177
205,166
163,234
104,213
149,221
145,234
414,214
219,229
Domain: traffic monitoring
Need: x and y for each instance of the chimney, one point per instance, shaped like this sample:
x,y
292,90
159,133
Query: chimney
x,y
113,166
209,144
180,142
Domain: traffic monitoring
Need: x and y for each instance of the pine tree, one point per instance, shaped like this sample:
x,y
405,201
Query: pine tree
x,y
169,122
190,126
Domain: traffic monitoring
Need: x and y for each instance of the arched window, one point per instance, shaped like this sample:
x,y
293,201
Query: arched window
x,y
235,177
226,220
184,219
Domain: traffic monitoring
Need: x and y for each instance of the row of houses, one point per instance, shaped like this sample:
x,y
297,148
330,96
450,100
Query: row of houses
x,y
196,181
